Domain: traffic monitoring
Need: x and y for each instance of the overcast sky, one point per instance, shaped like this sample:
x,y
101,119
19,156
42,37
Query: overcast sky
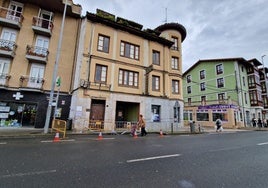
x,y
215,28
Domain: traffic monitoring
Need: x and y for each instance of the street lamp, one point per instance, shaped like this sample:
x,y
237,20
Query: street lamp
x,y
55,72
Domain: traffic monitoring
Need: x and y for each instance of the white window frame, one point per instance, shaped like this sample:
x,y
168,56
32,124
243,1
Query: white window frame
x,y
36,77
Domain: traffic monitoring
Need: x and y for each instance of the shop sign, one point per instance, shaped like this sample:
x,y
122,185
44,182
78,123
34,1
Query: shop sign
x,y
217,106
3,115
4,108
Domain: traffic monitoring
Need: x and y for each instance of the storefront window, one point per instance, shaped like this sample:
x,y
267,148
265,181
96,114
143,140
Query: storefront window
x,y
202,115
17,114
222,114
188,115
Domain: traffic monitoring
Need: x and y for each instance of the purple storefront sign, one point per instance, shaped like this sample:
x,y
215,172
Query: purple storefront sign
x,y
217,106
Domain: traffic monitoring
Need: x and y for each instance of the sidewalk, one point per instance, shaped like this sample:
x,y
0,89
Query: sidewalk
x,y
28,132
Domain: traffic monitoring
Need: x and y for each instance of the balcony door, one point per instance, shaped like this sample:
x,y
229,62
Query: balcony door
x,y
46,18
15,11
8,38
36,76
4,69
41,45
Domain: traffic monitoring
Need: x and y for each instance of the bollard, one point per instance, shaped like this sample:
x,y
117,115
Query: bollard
x,y
171,128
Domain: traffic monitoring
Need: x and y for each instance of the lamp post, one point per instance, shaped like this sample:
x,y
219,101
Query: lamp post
x,y
55,72
265,80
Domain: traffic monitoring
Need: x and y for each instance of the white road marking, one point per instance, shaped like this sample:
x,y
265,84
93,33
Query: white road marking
x,y
27,174
153,158
3,143
49,141
101,139
261,144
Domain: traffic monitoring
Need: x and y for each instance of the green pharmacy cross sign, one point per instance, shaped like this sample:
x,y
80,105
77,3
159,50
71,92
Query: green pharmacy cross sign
x,y
58,81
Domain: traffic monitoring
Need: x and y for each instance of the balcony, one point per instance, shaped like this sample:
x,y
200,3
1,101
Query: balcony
x,y
31,83
10,18
36,53
95,85
7,48
42,26
4,78
210,102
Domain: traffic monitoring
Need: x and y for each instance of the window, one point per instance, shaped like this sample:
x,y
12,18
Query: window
x,y
188,115
155,83
41,46
15,11
4,69
222,114
101,73
220,82
129,50
175,86
189,89
175,63
103,43
263,87
244,81
189,100
175,45
219,69
45,20
253,97
221,97
189,78
8,38
202,86
36,75
156,113
176,110
203,100
202,115
251,81
202,74
156,57
128,78
246,99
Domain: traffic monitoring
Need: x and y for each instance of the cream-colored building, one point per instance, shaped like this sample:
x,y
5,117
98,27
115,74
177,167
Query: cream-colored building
x,y
123,70
29,36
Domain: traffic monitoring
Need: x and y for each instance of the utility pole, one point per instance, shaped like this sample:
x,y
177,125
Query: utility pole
x,y
55,72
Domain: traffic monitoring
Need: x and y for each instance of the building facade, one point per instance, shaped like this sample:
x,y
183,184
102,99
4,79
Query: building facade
x,y
123,71
30,31
229,89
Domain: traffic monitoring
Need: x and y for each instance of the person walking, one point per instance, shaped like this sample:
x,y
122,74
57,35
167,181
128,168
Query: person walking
x,y
141,123
218,123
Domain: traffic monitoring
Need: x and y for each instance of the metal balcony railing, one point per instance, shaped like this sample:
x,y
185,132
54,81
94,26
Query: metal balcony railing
x,y
4,78
31,82
94,85
11,17
37,53
7,48
42,26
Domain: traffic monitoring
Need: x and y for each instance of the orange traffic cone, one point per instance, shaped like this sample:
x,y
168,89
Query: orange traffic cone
x,y
57,137
100,136
161,133
135,134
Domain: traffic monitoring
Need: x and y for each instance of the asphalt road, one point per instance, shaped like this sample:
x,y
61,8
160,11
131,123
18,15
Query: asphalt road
x,y
235,160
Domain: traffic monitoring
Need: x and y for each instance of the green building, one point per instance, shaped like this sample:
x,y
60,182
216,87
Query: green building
x,y
228,88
